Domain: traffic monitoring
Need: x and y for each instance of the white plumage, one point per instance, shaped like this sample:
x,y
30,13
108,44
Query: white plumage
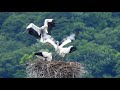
x,y
31,25
67,40
44,36
62,51
47,21
45,55
65,50
40,32
33,30
47,24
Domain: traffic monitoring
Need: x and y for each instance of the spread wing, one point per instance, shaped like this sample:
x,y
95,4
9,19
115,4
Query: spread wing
x,y
33,30
67,40
48,25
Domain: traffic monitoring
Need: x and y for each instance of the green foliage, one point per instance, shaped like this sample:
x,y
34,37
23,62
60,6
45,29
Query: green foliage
x,y
26,58
98,43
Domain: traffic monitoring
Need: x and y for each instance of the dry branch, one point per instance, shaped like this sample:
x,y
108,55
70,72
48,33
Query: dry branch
x,y
54,69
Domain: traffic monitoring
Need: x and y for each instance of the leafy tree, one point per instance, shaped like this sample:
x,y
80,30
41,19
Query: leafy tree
x,y
97,43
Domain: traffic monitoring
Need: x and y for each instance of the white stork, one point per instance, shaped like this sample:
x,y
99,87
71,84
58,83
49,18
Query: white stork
x,y
44,55
39,32
62,51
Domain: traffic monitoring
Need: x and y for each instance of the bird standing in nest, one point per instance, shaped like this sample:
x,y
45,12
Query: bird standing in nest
x,y
44,55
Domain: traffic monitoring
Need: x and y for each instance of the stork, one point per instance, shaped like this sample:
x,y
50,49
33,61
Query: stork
x,y
62,51
39,32
44,55
43,33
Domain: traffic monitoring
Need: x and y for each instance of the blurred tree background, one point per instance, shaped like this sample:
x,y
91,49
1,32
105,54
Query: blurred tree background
x,y
98,42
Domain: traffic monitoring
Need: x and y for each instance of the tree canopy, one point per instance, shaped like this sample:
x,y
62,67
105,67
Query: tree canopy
x,y
98,43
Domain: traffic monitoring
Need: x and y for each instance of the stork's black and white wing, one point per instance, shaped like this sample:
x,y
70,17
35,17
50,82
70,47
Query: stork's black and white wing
x,y
45,55
33,30
48,25
67,40
49,21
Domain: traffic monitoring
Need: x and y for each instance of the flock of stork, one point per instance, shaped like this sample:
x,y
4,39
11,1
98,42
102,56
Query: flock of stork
x,y
43,35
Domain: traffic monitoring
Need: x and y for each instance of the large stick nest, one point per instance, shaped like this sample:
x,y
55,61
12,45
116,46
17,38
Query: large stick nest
x,y
54,69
